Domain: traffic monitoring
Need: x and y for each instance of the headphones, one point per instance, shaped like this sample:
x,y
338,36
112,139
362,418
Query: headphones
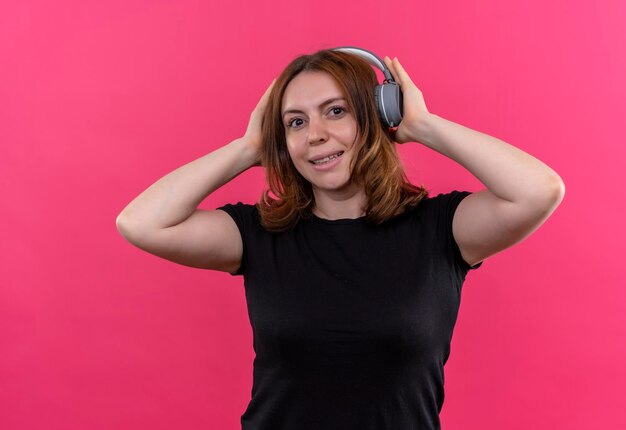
x,y
387,95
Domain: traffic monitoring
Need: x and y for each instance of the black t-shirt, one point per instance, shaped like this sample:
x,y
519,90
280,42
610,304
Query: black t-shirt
x,y
351,322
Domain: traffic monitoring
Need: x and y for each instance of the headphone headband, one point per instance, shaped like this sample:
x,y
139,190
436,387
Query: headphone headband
x,y
372,58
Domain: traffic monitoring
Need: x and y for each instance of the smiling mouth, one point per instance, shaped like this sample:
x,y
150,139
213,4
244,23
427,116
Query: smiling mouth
x,y
326,159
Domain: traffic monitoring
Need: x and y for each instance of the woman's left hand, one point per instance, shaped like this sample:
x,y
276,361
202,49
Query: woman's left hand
x,y
414,106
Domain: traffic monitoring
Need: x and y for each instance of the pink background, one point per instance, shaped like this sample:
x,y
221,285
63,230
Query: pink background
x,y
99,99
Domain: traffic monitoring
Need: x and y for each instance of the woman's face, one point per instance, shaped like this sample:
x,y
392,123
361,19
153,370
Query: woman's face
x,y
320,130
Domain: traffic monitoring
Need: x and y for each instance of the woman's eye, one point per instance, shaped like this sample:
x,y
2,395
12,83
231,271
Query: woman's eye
x,y
337,107
290,123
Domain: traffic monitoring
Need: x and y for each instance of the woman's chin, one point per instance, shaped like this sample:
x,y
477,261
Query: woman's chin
x,y
334,186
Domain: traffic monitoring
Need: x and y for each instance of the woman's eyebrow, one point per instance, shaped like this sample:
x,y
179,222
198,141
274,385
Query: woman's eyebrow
x,y
334,99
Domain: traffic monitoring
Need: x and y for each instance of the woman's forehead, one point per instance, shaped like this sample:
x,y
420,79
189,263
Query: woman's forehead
x,y
310,89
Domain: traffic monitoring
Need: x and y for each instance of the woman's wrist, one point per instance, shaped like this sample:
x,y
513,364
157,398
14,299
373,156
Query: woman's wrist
x,y
249,151
421,130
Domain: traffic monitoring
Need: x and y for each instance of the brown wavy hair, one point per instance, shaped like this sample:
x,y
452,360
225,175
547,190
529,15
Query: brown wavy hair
x,y
376,164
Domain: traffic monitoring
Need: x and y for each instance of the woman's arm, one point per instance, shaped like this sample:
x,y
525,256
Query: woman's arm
x,y
173,198
164,219
522,192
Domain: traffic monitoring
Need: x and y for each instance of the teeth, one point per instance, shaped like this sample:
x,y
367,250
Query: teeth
x,y
326,159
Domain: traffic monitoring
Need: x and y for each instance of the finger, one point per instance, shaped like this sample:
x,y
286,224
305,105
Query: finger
x,y
264,98
269,89
387,61
402,74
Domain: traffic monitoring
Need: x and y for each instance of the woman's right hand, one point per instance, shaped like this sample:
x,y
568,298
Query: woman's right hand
x,y
253,134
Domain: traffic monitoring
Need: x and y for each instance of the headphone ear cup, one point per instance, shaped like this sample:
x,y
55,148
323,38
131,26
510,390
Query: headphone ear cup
x,y
389,103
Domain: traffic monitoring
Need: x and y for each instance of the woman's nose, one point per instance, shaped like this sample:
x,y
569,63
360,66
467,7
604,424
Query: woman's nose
x,y
317,131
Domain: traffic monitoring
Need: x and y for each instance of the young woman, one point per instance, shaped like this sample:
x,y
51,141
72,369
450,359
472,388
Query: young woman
x,y
353,275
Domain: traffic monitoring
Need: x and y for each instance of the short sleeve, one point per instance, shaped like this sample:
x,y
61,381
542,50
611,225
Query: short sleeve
x,y
244,216
446,207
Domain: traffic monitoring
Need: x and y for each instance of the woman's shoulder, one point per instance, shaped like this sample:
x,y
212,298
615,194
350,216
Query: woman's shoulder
x,y
239,206
242,213
437,205
445,197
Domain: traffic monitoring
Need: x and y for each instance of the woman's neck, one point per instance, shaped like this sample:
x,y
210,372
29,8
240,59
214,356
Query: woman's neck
x,y
333,205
